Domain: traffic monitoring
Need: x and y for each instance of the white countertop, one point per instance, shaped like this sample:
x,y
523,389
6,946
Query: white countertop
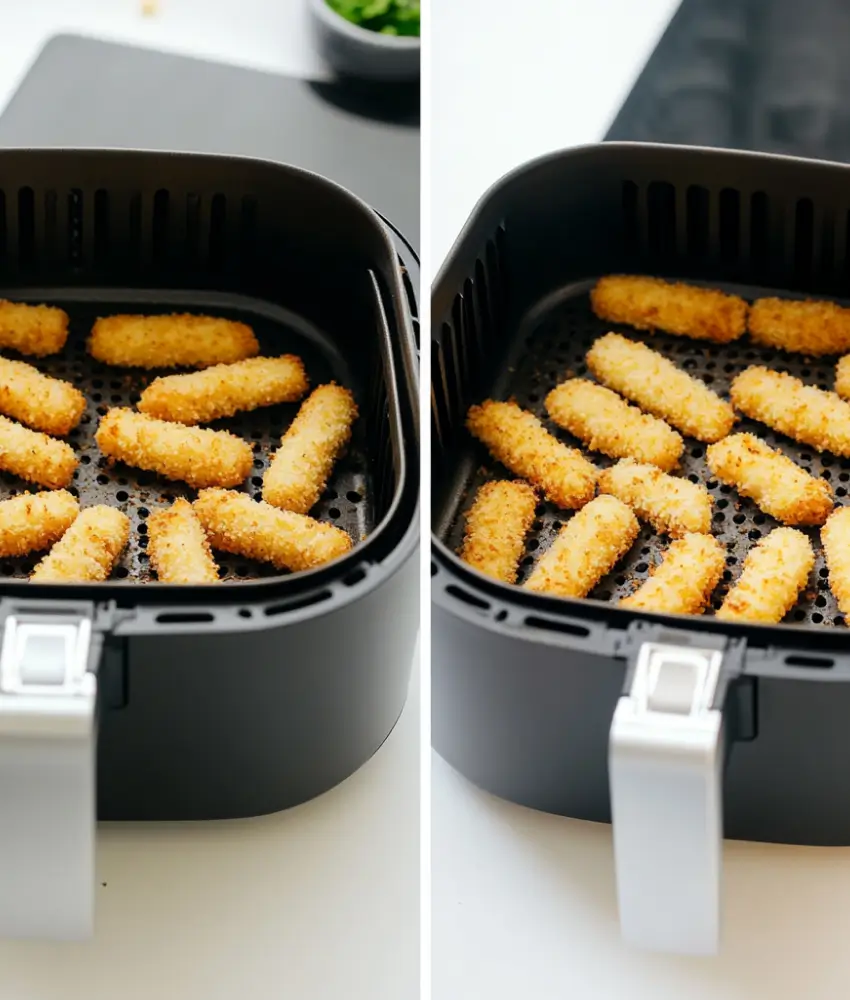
x,y
523,903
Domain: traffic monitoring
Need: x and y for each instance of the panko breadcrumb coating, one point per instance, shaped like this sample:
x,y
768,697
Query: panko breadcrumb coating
x,y
221,391
835,537
683,583
88,550
235,523
496,526
659,387
587,547
803,412
43,403
774,573
653,304
301,466
842,377
175,341
672,506
605,422
813,328
778,485
35,521
35,330
177,546
34,456
197,456
522,444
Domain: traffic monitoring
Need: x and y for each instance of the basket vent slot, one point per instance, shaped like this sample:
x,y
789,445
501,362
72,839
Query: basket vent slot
x,y
185,617
730,224
159,225
468,598
26,226
697,205
557,625
816,662
135,223
631,225
218,222
193,226
248,227
759,230
101,225
804,238
661,219
75,227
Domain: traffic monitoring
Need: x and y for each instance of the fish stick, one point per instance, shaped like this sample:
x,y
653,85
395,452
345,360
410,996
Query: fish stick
x,y
522,444
835,537
842,377
813,328
43,403
197,456
659,387
587,547
604,422
34,456
803,412
685,310
683,582
176,341
299,469
221,391
35,330
496,526
777,485
236,523
88,550
35,521
674,507
178,546
774,573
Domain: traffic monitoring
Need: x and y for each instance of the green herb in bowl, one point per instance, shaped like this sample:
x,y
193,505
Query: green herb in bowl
x,y
388,17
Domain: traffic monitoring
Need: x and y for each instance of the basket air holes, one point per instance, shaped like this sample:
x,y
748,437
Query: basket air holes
x,y
730,223
26,226
804,237
159,225
696,220
245,613
75,227
101,225
661,219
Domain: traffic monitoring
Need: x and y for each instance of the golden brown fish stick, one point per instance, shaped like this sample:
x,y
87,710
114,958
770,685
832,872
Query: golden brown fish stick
x,y
88,550
34,456
44,403
178,548
496,526
590,545
779,486
221,391
653,304
522,444
659,387
35,521
236,523
842,377
605,422
683,583
803,412
835,536
35,330
299,469
813,328
176,341
672,506
774,573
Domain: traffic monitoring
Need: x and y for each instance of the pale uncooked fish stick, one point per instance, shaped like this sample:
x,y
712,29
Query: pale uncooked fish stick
x,y
88,550
178,547
43,403
496,527
813,328
685,579
35,330
774,572
835,536
34,521
672,506
35,456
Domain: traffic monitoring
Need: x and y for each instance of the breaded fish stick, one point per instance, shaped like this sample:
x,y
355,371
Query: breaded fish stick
x,y
221,391
236,523
34,456
44,403
35,521
88,550
813,328
779,486
803,412
683,582
605,422
496,526
659,387
774,573
672,506
299,469
590,545
522,444
178,547
653,304
835,536
842,377
176,341
197,456
35,330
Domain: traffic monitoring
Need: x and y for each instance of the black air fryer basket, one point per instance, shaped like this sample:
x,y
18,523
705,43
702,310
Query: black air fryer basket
x,y
525,687
262,692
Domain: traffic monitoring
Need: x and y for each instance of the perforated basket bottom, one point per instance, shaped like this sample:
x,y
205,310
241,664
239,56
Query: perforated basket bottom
x,y
554,347
347,502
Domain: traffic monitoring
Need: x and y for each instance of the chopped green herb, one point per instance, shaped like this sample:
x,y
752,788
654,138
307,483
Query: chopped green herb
x,y
388,17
